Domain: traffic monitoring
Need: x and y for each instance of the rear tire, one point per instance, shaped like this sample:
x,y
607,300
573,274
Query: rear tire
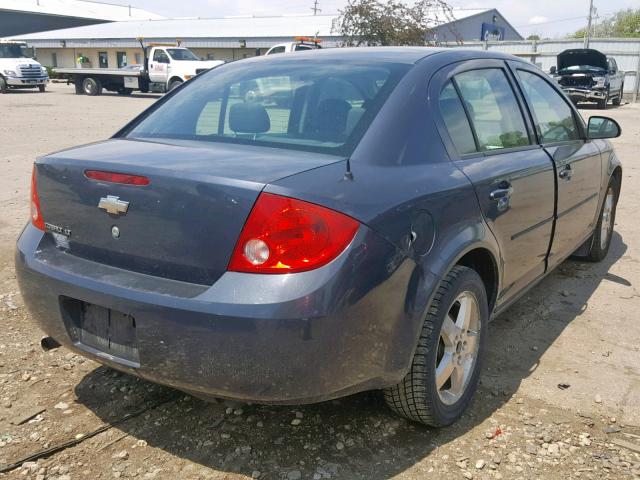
x,y
92,86
125,91
601,238
4,88
446,366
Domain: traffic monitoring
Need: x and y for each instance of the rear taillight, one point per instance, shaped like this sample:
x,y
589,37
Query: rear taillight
x,y
114,177
36,213
285,235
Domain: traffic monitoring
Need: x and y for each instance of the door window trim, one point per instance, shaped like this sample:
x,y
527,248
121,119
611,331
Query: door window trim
x,y
456,68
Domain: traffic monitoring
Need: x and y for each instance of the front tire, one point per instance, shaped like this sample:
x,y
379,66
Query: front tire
x,y
601,239
174,84
4,88
42,88
618,100
602,103
446,366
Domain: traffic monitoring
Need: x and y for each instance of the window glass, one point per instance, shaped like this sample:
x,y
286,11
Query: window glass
x,y
182,54
277,50
160,56
456,121
552,116
283,104
493,108
103,60
302,47
121,58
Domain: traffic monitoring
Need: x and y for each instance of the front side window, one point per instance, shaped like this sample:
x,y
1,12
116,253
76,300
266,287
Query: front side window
x,y
455,119
493,109
303,105
160,56
552,116
280,49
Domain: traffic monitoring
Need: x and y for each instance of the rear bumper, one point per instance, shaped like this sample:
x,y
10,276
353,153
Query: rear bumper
x,y
26,82
347,327
584,94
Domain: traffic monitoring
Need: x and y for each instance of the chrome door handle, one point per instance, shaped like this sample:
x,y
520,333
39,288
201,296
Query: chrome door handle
x,y
501,193
565,173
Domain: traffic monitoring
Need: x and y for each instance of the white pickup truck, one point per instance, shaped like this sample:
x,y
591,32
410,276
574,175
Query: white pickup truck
x,y
299,44
19,69
165,68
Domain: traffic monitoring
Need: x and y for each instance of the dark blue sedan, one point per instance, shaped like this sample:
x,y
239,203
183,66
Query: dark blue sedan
x,y
297,228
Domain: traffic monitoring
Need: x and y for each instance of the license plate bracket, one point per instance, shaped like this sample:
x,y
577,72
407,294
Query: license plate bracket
x,y
101,329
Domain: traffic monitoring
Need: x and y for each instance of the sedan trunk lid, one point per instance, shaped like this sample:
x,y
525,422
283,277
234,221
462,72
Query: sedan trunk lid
x,y
183,225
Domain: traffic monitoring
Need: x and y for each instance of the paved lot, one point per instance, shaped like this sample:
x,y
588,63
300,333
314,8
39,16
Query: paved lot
x,y
579,328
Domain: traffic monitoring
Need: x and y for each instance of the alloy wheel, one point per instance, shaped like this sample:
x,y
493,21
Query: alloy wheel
x,y
607,218
457,348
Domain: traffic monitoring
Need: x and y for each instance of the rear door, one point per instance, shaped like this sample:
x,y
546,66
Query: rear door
x,y
513,177
577,161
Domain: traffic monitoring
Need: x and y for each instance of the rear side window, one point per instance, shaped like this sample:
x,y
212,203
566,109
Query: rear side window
x,y
552,116
456,121
493,108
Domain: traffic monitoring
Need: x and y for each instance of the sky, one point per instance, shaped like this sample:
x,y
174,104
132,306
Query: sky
x,y
547,18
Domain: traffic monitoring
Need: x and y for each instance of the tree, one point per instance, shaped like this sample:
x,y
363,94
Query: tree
x,y
390,22
533,37
623,23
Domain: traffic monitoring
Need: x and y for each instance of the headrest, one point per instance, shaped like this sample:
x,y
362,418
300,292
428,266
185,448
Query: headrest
x,y
249,118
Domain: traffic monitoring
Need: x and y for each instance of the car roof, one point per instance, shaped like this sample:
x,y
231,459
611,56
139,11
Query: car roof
x,y
407,55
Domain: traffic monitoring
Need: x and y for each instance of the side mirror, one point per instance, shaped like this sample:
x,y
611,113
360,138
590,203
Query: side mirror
x,y
603,127
552,70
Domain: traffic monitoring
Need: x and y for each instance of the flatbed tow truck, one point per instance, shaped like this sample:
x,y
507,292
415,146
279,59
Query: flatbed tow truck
x,y
166,66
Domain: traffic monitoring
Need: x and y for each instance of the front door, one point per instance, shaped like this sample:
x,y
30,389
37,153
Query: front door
x,y
513,177
577,161
159,66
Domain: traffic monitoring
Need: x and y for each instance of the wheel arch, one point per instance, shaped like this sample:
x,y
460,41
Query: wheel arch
x,y
482,261
616,175
174,78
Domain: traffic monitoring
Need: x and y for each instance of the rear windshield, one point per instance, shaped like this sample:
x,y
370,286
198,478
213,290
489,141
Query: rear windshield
x,y
308,104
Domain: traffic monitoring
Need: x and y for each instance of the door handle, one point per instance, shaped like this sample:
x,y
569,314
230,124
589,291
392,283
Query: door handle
x,y
501,193
565,173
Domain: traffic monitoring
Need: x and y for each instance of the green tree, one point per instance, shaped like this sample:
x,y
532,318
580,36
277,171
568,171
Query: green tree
x,y
533,37
623,23
390,22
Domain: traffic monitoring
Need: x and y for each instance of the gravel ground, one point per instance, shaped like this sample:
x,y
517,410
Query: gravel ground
x,y
560,397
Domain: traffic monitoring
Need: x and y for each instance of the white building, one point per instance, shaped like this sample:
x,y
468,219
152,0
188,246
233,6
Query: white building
x,y
230,38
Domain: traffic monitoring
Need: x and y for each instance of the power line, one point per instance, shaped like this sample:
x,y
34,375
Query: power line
x,y
315,7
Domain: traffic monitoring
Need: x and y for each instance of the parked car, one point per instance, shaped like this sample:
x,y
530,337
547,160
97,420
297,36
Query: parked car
x,y
359,238
587,75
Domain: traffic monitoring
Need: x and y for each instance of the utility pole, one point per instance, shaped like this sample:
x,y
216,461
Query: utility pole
x,y
315,7
587,37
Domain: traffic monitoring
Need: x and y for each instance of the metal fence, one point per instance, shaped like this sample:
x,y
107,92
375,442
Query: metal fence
x,y
626,52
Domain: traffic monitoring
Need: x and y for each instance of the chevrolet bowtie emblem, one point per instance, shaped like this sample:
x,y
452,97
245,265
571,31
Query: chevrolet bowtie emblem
x,y
113,205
